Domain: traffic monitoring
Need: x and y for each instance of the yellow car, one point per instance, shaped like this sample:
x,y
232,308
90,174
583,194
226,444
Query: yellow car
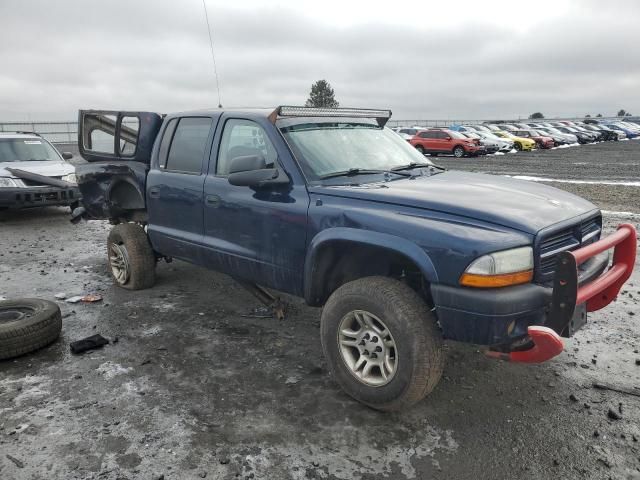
x,y
519,143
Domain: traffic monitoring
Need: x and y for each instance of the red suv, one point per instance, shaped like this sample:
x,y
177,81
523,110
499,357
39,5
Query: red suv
x,y
441,140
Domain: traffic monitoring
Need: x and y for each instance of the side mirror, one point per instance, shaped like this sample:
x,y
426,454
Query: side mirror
x,y
246,163
448,139
67,155
252,171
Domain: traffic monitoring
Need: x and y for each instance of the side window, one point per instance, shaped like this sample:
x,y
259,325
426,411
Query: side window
x,y
129,128
189,144
241,138
100,132
424,135
165,142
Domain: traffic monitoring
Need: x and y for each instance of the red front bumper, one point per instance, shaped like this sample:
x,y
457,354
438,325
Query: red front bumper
x,y
545,342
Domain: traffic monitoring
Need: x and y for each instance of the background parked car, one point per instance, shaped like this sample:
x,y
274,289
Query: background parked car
x,y
558,139
605,133
489,146
34,174
519,143
504,144
621,135
406,133
569,137
444,141
581,136
541,140
621,128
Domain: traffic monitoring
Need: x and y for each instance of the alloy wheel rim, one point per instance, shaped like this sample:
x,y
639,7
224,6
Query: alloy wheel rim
x,y
119,261
367,348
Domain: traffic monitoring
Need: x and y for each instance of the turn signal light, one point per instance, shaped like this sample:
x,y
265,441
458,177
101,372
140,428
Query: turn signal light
x,y
493,281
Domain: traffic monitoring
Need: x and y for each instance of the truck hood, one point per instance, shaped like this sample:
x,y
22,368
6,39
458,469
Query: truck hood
x,y
518,204
50,168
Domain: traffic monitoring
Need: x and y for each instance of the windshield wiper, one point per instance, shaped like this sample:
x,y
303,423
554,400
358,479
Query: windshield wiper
x,y
362,171
416,165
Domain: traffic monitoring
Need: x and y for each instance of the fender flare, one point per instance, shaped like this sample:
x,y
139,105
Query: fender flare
x,y
387,241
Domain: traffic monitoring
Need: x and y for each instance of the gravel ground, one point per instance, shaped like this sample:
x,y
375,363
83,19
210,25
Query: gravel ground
x,y
198,386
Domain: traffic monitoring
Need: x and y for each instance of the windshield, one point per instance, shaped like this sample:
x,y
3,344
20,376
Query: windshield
x,y
328,148
26,150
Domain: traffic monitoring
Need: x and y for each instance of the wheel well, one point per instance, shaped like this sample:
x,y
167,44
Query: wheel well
x,y
126,196
341,262
126,203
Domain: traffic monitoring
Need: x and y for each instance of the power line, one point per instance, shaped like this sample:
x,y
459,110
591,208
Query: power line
x,y
213,57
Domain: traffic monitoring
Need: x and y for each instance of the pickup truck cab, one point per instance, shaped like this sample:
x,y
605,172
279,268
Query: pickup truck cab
x,y
331,206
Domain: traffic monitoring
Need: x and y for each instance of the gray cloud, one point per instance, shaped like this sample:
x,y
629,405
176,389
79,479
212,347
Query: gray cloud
x,y
57,57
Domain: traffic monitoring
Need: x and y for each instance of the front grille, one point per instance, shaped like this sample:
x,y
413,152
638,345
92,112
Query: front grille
x,y
550,244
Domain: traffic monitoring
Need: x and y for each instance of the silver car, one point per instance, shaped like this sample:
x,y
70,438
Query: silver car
x,y
34,174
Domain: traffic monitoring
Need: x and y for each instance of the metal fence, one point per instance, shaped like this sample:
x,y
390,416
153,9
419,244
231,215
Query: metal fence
x,y
55,132
67,132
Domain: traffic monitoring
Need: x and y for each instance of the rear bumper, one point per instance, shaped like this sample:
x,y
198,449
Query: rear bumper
x,y
508,318
16,198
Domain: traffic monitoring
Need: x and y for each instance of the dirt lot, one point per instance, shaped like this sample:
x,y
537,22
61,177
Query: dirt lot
x,y
197,386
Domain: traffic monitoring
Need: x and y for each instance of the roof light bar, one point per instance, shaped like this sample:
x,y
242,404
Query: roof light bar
x,y
381,116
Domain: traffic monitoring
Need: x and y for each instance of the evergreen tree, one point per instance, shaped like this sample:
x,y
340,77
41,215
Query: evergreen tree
x,y
322,96
536,115
621,113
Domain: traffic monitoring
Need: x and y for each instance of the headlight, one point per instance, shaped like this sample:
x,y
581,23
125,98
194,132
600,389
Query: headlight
x,y
500,269
71,178
7,182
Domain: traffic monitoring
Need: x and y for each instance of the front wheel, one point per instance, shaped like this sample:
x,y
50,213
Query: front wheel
x,y
458,152
517,146
131,258
420,148
381,343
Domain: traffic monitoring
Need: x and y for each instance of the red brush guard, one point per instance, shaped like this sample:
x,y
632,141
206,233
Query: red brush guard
x,y
567,294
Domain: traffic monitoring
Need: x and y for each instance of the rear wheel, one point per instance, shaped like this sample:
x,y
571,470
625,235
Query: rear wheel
x,y
458,152
381,343
131,258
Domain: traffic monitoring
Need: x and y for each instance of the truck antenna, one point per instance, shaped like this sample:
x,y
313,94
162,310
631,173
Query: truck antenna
x,y
213,57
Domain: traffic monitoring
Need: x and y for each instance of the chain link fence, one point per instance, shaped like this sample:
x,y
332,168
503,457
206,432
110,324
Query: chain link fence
x,y
55,132
67,132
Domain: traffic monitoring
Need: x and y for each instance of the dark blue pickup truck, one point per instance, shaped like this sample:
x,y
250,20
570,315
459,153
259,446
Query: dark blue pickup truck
x,y
329,205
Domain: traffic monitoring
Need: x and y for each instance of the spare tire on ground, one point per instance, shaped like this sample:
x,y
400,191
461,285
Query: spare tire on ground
x,y
26,325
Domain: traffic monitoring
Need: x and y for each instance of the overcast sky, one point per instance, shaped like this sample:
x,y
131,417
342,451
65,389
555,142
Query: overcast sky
x,y
457,59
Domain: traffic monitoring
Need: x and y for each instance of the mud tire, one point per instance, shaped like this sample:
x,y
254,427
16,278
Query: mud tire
x,y
131,239
420,357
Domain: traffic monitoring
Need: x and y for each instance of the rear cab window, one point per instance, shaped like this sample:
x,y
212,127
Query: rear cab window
x,y
184,144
